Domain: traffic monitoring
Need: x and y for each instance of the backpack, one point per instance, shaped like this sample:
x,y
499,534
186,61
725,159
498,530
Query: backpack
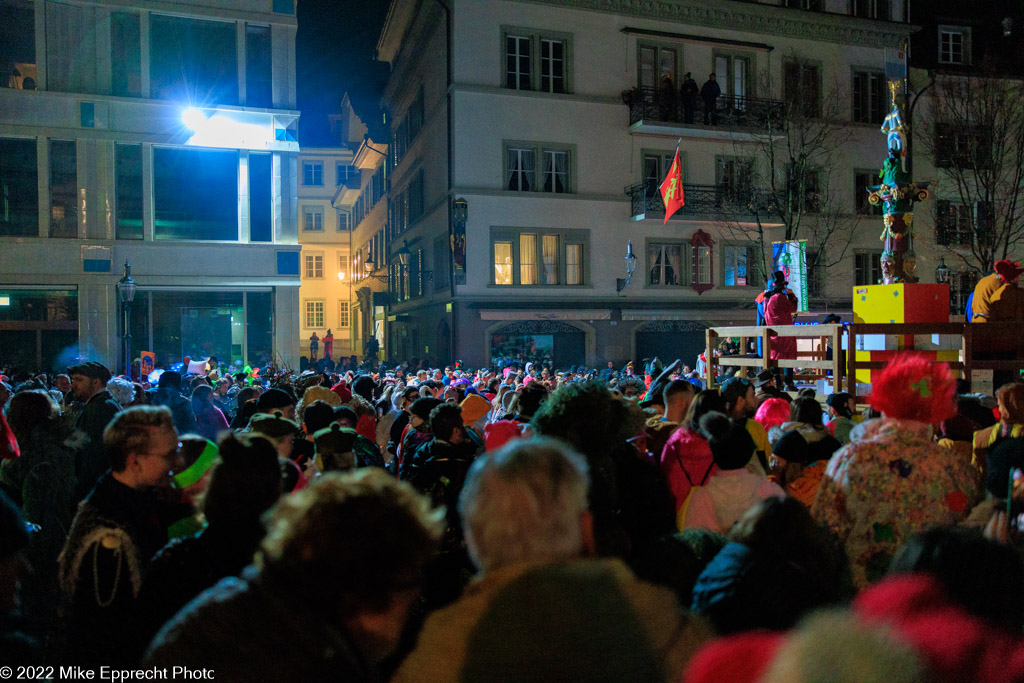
x,y
684,509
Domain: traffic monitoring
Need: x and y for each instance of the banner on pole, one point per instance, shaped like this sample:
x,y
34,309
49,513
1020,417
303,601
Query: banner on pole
x,y
791,258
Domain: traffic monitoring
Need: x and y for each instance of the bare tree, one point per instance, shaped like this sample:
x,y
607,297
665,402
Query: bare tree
x,y
976,139
798,158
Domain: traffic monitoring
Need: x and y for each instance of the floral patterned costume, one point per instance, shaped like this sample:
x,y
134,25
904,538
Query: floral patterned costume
x,y
888,483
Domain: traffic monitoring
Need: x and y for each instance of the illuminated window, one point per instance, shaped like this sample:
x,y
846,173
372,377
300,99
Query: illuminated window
x,y
344,319
539,257
314,313
314,269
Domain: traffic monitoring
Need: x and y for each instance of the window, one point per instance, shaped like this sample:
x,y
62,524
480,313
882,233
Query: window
x,y
870,9
739,266
802,89
346,173
344,319
193,60
63,189
957,224
954,45
815,275
869,97
657,62
18,45
416,198
702,265
125,55
734,177
128,191
539,257
656,167
258,72
664,263
314,267
733,75
195,194
814,5
862,182
314,314
536,61
442,256
554,173
19,188
961,286
867,268
804,191
313,173
312,219
343,225
261,200
962,146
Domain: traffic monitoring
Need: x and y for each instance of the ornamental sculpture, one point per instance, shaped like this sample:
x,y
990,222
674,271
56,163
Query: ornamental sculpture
x,y
897,194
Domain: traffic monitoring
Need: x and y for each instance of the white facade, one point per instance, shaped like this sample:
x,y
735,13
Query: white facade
x,y
101,165
534,94
324,233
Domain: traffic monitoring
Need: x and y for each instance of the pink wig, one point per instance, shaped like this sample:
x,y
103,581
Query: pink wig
x,y
912,387
772,413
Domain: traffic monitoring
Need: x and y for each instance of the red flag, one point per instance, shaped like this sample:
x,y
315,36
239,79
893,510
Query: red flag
x,y
672,188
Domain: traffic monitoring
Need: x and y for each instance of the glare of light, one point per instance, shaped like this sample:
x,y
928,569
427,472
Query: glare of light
x,y
341,276
154,376
193,118
5,301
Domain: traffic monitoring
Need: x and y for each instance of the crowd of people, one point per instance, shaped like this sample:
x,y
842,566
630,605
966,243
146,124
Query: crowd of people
x,y
419,524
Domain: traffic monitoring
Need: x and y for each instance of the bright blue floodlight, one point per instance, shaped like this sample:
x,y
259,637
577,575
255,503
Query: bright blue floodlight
x,y
193,118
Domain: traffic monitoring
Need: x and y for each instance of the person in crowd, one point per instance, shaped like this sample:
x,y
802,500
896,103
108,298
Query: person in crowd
x,y
330,592
210,420
89,386
42,483
116,531
277,429
244,410
709,94
772,414
1010,400
537,610
801,453
122,390
740,405
993,301
765,388
775,543
689,92
841,408
416,434
18,645
732,489
676,397
367,453
686,460
245,482
168,394
892,480
401,421
276,399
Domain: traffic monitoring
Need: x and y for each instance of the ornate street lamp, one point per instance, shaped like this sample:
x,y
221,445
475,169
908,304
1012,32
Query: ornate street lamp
x,y
942,271
126,293
620,283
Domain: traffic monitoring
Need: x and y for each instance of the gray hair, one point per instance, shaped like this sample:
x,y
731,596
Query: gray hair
x,y
524,502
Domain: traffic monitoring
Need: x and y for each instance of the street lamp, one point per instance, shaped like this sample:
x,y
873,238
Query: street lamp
x,y
126,292
404,254
942,271
620,283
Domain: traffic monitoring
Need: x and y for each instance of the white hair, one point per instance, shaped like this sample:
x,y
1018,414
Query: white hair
x,y
122,390
524,502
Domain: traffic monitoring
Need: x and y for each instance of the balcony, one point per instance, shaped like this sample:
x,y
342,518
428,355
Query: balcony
x,y
654,108
703,202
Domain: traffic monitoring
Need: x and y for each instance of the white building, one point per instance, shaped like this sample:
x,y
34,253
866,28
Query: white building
x,y
517,125
325,174
163,135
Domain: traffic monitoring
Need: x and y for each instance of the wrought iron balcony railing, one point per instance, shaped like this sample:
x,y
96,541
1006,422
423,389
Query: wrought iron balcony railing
x,y
657,105
701,200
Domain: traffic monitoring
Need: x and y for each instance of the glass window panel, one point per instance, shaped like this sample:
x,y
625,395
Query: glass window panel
x,y
556,171
343,314
503,263
258,92
18,45
195,194
552,65
703,265
63,189
128,167
648,74
549,246
125,54
667,64
521,169
261,200
19,188
193,61
517,62
527,259
574,264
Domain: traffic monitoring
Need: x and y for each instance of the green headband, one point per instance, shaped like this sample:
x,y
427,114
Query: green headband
x,y
194,473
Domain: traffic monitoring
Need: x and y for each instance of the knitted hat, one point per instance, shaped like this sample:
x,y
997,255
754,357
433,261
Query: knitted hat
x,y
273,426
911,387
318,415
474,406
336,438
92,370
1008,270
272,399
730,442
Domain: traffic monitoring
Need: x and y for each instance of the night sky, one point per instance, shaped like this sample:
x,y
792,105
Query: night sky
x,y
335,47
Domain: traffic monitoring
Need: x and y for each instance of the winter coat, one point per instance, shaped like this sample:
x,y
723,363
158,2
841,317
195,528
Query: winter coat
x,y
260,628
87,440
778,310
726,497
582,620
888,483
710,92
181,411
210,422
686,461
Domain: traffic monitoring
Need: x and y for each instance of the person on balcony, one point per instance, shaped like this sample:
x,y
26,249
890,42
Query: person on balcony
x,y
689,91
710,92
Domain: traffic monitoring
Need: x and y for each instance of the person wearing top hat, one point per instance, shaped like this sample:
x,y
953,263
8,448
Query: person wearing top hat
x,y
779,306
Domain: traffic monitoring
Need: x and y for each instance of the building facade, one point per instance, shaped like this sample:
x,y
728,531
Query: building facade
x,y
529,138
163,136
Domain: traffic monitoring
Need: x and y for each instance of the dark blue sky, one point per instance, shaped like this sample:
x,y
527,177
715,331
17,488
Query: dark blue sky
x,y
335,47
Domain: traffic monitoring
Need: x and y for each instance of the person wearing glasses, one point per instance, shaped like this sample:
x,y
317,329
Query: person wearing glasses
x,y
116,531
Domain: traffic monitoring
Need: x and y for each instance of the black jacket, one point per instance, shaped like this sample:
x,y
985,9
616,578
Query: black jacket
x,y
87,441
